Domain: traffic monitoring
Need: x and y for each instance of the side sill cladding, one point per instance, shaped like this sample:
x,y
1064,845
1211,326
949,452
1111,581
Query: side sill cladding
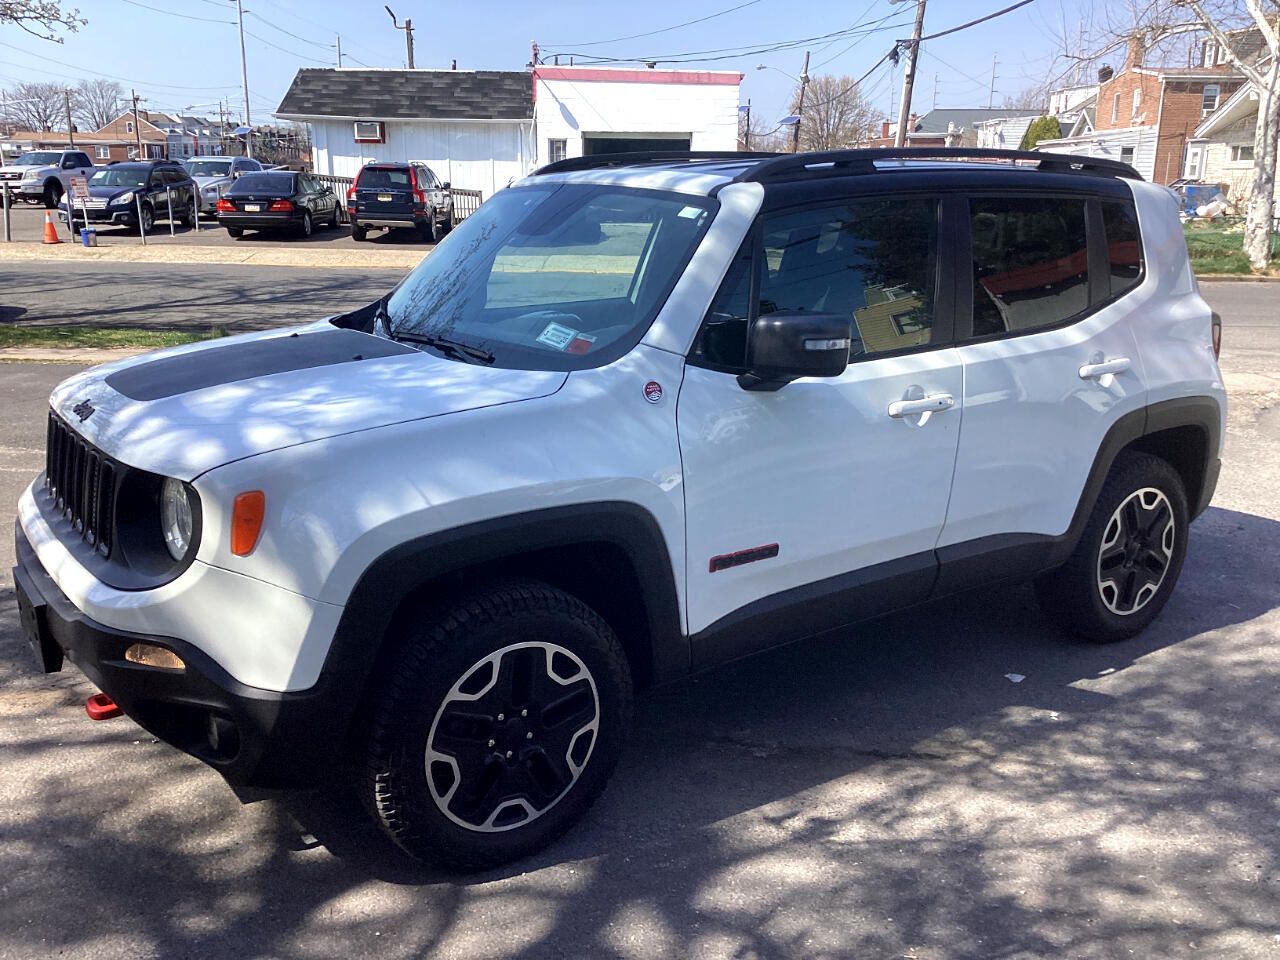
x,y
398,573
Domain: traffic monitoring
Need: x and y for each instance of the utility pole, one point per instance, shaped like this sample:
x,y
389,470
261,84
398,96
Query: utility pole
x,y
935,93
137,124
991,97
804,83
244,76
909,78
746,131
339,36
408,33
66,100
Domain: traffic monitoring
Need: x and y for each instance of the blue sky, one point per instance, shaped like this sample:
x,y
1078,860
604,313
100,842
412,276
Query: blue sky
x,y
176,61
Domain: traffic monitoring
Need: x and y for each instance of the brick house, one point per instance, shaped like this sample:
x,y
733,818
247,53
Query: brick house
x,y
101,148
1145,115
124,136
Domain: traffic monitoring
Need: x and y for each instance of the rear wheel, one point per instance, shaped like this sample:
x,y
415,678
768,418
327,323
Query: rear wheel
x,y
189,218
499,724
235,233
304,227
1127,562
359,233
427,229
333,219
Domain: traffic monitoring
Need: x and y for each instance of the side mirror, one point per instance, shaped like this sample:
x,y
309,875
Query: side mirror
x,y
788,346
446,185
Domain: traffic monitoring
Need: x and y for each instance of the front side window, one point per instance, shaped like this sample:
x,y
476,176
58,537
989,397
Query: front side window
x,y
872,261
550,276
1209,100
1030,263
1124,245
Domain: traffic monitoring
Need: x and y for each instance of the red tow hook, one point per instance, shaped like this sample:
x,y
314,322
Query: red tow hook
x,y
101,707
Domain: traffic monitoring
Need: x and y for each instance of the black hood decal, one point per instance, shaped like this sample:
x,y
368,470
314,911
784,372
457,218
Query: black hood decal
x,y
170,376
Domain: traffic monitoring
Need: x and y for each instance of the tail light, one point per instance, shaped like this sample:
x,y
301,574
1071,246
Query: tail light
x,y
1216,322
419,197
281,206
226,206
351,194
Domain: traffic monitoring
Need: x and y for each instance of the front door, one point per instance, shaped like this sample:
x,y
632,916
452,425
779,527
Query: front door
x,y
822,502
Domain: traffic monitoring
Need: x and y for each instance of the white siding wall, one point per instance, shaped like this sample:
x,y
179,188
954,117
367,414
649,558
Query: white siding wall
x,y
568,110
1109,143
473,155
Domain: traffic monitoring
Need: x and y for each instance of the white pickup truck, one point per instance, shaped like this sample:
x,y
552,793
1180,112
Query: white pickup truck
x,y
45,175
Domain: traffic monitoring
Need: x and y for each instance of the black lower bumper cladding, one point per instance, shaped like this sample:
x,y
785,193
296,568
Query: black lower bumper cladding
x,y
253,737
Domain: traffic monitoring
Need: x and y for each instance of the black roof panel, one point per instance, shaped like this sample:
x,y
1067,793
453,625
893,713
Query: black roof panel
x,y
410,94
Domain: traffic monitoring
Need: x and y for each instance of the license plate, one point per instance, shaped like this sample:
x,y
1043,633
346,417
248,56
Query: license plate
x,y
253,208
384,196
48,653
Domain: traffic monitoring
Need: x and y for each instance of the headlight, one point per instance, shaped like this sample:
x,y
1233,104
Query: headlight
x,y
31,175
175,518
210,191
126,197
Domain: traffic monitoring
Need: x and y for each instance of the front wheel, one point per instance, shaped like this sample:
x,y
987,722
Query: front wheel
x,y
1127,562
498,725
52,194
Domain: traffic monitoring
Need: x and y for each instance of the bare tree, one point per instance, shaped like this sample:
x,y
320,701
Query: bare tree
x,y
97,103
35,106
766,138
1264,77
1031,99
835,115
40,18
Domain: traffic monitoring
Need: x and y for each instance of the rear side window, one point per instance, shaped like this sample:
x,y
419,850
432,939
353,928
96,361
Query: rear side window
x,y
871,261
1124,246
1030,263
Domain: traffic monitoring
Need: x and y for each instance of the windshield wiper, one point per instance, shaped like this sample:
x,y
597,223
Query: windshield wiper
x,y
451,348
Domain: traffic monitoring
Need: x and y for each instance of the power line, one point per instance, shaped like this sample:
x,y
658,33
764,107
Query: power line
x,y
292,53
170,13
651,33
974,23
273,26
857,41
107,76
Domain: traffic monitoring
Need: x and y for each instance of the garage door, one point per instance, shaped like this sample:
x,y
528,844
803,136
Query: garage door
x,y
594,145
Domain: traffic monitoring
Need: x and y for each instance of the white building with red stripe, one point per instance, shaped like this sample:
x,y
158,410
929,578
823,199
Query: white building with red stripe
x,y
581,111
483,129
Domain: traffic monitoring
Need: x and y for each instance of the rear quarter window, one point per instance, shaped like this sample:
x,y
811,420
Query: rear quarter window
x,y
1124,246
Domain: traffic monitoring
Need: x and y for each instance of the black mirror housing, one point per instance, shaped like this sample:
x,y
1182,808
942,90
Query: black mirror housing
x,y
446,185
788,346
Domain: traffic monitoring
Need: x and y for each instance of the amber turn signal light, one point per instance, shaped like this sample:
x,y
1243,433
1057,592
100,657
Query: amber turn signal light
x,y
246,521
151,655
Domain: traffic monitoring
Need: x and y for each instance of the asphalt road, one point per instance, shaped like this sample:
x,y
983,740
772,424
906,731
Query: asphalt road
x,y
186,297
884,792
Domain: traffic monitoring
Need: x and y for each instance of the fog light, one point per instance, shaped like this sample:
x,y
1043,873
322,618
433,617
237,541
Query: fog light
x,y
149,655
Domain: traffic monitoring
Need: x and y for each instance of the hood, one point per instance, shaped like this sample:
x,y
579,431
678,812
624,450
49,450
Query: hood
x,y
106,193
203,182
25,168
184,411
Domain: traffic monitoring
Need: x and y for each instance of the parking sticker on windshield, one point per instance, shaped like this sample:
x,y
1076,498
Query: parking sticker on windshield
x,y
690,212
580,343
554,335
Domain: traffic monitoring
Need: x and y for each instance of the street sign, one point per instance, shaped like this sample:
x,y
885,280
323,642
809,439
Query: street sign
x,y
80,186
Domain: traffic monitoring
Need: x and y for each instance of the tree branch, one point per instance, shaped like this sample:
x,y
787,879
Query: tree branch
x,y
1223,41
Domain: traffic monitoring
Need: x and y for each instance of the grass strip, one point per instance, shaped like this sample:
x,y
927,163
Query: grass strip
x,y
17,335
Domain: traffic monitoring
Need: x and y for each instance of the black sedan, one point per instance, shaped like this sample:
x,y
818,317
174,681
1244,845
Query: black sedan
x,y
277,200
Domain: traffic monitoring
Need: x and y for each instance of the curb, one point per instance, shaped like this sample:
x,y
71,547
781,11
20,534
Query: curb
x,y
400,260
85,355
1234,278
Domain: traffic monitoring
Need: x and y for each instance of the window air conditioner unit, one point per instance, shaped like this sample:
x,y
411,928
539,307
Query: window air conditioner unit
x,y
370,131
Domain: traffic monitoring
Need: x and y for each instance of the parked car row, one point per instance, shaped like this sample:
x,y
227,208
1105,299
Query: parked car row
x,y
244,195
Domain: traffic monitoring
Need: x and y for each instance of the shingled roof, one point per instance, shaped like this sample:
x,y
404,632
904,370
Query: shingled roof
x,y
409,95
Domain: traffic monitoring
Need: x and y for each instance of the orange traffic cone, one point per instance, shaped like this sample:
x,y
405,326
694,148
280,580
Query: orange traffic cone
x,y
50,231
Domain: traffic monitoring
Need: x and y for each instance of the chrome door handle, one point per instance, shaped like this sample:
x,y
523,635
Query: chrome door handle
x,y
1095,371
935,403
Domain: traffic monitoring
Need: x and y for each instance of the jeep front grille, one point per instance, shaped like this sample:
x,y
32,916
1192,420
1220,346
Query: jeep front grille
x,y
81,481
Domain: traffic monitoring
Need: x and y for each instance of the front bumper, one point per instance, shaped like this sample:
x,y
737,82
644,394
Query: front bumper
x,y
253,737
116,217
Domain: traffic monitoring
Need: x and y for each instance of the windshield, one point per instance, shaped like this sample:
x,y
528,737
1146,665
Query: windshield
x,y
38,158
552,276
208,168
119,177
262,185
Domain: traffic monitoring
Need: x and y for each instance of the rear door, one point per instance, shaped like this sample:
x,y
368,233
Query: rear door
x,y
384,191
1050,364
821,503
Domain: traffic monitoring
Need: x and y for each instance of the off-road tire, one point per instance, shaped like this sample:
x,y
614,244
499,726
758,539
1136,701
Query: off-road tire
x,y
439,651
1073,594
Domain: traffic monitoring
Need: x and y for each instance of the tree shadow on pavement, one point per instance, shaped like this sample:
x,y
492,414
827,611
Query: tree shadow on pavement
x,y
881,791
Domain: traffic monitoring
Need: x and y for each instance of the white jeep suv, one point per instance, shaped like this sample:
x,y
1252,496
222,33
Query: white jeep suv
x,y
637,416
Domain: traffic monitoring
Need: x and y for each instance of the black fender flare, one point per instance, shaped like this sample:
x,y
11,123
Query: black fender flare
x,y
399,572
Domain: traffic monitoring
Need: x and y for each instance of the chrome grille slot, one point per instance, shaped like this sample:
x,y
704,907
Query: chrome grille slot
x,y
81,481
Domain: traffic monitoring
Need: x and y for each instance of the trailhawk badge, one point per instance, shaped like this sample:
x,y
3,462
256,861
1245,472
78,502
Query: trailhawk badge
x,y
84,409
653,391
